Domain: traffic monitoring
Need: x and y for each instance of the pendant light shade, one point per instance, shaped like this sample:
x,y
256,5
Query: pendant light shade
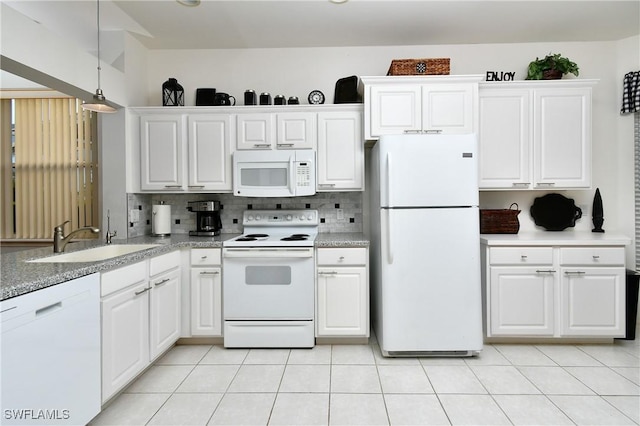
x,y
99,102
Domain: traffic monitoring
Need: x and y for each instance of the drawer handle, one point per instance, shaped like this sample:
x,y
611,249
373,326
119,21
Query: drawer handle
x,y
285,144
209,273
520,184
545,271
545,184
328,273
523,257
173,186
262,145
162,282
142,291
203,257
196,186
327,184
49,308
574,272
341,258
596,257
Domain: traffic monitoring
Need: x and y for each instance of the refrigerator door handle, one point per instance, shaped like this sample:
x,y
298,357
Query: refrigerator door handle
x,y
389,233
388,180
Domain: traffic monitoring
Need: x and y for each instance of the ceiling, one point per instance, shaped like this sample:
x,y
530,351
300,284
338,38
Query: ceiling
x,y
219,24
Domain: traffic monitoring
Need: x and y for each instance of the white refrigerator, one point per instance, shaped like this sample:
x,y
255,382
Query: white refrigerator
x,y
425,245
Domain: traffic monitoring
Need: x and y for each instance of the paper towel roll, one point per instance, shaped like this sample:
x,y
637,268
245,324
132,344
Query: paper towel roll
x,y
161,219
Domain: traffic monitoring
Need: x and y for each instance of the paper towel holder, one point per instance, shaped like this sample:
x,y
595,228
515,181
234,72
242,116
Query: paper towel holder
x,y
161,219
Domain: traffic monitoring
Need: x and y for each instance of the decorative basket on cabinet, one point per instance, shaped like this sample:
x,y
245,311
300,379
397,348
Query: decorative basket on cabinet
x,y
428,66
500,221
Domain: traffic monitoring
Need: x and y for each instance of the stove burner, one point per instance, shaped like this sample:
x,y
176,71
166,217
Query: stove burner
x,y
295,237
246,239
254,236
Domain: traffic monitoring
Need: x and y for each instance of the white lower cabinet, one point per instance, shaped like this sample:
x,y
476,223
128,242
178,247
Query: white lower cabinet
x,y
206,292
164,311
521,301
342,302
554,291
140,318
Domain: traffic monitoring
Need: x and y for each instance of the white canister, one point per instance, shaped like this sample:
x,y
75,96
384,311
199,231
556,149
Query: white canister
x,y
161,219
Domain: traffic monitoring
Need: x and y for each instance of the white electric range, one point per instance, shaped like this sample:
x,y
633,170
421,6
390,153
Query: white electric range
x,y
268,280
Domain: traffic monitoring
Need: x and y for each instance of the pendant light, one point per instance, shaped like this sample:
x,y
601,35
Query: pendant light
x,y
99,102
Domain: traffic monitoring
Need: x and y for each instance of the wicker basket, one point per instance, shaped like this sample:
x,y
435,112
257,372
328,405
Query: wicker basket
x,y
429,66
503,221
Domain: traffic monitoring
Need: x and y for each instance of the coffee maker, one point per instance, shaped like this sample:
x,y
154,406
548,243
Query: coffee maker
x,y
208,221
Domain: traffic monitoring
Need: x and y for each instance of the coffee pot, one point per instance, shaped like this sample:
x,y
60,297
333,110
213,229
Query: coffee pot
x,y
208,223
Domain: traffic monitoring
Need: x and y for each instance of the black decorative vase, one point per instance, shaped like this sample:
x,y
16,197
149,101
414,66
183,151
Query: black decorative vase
x,y
172,93
597,213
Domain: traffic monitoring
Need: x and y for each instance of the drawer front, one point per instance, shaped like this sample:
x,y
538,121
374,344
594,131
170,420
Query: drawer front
x,y
342,256
206,257
521,256
592,256
163,263
120,278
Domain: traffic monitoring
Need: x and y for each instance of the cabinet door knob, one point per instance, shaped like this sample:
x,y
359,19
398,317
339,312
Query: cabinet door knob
x,y
545,271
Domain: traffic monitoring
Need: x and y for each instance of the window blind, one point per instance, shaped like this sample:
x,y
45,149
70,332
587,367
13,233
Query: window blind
x,y
55,169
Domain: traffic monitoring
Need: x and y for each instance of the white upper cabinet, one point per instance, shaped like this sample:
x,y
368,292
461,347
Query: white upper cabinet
x,y
296,130
161,152
282,130
256,131
562,137
180,152
210,150
503,134
340,151
399,104
535,134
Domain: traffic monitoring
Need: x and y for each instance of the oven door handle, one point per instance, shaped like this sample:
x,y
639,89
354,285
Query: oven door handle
x,y
267,252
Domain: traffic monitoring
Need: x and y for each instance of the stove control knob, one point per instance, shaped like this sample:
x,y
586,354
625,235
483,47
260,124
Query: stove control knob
x,y
310,217
258,217
289,217
250,218
301,217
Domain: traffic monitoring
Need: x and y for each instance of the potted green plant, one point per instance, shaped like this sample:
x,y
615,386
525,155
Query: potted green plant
x,y
551,67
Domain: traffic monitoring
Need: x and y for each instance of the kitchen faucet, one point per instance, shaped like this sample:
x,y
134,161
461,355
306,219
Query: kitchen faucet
x,y
109,233
60,240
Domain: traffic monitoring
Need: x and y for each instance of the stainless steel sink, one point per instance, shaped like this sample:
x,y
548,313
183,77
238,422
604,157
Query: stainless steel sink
x,y
95,254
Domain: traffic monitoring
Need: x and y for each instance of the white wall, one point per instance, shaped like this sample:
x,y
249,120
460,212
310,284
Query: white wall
x,y
295,72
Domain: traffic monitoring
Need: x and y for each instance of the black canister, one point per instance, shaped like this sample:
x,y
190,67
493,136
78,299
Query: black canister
x,y
250,97
279,100
265,98
293,100
172,93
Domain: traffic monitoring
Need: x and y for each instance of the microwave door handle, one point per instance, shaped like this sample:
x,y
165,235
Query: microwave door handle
x,y
292,175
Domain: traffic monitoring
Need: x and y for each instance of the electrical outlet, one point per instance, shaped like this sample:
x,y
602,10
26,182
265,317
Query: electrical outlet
x,y
340,214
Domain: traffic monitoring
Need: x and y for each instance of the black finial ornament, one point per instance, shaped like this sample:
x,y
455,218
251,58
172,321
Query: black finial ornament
x,y
172,93
597,214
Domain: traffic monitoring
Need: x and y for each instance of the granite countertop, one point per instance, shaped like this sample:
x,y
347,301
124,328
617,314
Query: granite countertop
x,y
561,238
18,277
347,239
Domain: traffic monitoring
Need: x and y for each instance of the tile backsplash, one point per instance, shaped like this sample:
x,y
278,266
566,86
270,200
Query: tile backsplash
x,y
183,221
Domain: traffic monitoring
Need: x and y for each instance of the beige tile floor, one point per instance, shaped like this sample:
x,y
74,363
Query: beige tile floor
x,y
507,384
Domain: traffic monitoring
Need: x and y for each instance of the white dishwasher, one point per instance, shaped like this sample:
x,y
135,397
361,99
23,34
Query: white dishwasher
x,y
50,355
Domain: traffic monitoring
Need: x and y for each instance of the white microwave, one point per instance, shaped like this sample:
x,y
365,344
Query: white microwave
x,y
290,173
